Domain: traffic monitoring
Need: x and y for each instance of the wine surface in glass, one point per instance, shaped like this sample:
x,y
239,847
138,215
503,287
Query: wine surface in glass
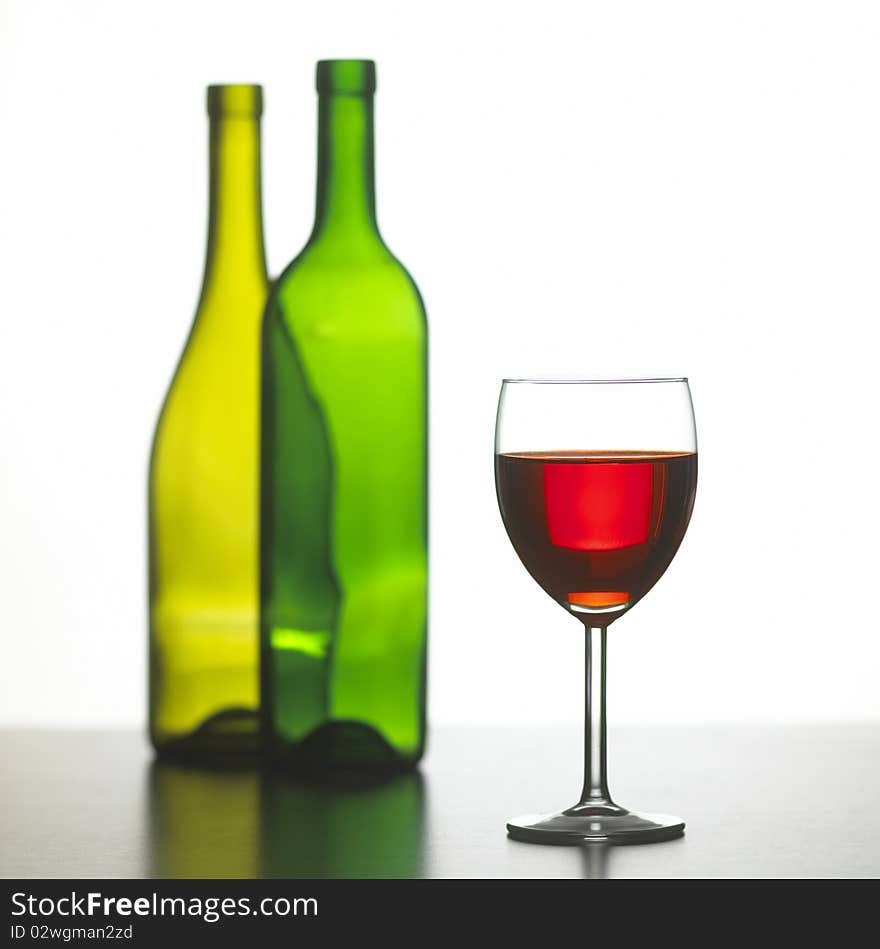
x,y
596,529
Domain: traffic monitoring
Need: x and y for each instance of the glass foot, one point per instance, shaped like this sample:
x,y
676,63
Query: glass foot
x,y
601,823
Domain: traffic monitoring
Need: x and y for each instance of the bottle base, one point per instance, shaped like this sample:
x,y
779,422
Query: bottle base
x,y
341,749
233,734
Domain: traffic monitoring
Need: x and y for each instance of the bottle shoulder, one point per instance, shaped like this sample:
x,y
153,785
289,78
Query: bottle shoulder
x,y
225,323
216,374
323,258
320,281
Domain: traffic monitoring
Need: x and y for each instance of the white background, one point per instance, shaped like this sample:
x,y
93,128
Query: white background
x,y
590,188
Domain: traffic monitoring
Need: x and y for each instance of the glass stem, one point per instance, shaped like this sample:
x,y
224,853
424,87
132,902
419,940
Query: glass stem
x,y
595,780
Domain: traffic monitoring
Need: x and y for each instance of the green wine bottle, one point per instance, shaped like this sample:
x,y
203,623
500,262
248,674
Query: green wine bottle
x,y
204,484
343,537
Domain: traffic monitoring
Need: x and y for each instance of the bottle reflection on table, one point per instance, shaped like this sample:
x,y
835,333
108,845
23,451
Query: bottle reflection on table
x,y
244,822
203,821
354,829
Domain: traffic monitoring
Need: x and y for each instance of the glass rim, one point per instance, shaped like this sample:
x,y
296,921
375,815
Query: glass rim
x,y
525,380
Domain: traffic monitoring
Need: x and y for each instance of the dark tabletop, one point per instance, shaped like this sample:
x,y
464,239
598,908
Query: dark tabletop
x,y
759,802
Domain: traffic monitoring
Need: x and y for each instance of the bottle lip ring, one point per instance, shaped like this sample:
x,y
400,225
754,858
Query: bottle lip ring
x,y
242,100
353,77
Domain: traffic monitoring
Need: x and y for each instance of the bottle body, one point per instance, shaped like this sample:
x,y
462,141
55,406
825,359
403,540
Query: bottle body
x,y
343,540
204,482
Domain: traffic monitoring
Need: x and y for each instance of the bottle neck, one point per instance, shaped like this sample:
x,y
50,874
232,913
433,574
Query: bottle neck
x,y
345,208
235,217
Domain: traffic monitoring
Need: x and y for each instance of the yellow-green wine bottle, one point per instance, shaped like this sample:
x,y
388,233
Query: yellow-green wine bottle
x,y
343,538
203,484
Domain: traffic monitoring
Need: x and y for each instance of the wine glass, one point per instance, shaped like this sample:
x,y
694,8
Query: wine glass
x,y
596,481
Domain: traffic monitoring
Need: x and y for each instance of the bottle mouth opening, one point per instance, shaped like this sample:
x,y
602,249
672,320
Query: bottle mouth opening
x,y
353,77
238,100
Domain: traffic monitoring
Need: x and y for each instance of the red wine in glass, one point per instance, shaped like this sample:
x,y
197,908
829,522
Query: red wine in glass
x,y
596,529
